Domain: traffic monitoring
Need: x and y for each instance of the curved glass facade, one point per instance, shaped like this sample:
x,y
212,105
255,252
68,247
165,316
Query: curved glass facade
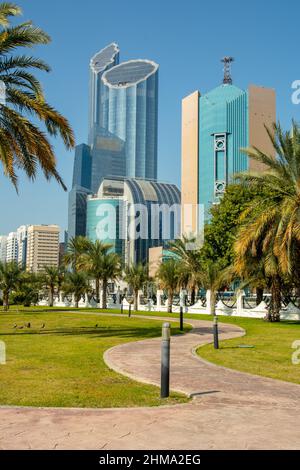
x,y
130,112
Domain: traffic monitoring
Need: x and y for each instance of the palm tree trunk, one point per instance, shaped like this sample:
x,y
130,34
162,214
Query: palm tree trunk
x,y
5,301
97,291
170,301
275,307
259,295
104,294
76,301
51,297
136,296
193,296
212,304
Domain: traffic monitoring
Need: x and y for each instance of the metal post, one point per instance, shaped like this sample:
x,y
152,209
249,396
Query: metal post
x,y
165,360
129,311
181,318
216,333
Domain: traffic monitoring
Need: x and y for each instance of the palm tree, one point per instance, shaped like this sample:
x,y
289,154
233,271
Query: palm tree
x,y
50,277
188,253
271,224
110,270
136,277
77,284
10,278
22,144
91,259
76,248
168,276
213,278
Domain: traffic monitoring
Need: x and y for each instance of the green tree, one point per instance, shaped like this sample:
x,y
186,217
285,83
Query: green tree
x,y
168,276
221,231
77,284
188,253
110,271
213,278
271,225
92,260
50,279
10,278
22,144
136,277
77,246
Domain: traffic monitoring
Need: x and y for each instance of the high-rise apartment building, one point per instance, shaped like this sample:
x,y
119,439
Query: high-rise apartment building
x,y
215,127
42,247
22,245
3,245
122,139
12,248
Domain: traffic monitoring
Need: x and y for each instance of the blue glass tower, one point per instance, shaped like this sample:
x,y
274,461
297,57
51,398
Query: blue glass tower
x,y
123,128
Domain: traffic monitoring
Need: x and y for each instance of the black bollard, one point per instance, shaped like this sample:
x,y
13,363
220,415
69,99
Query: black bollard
x,y
181,318
216,333
165,360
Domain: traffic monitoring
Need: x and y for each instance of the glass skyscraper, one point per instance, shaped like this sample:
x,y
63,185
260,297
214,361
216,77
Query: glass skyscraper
x,y
123,127
215,127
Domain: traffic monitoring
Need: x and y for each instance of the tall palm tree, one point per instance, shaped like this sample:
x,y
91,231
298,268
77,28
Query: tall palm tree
x,y
10,278
213,278
189,254
77,284
23,145
136,277
77,246
91,259
110,271
50,277
271,223
168,276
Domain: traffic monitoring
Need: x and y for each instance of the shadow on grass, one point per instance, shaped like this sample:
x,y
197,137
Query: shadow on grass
x,y
100,332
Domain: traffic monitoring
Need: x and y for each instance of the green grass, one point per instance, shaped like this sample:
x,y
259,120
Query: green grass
x,y
62,365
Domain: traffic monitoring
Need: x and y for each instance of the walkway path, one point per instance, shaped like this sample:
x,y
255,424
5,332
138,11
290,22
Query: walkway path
x,y
230,410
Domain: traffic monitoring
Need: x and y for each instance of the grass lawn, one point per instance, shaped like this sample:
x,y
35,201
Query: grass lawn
x,y
62,365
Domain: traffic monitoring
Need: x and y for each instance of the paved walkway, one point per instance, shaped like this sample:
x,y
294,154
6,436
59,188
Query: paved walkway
x,y
230,410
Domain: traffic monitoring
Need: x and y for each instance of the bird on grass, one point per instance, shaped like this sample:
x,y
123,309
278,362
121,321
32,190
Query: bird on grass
x,y
28,325
15,326
43,326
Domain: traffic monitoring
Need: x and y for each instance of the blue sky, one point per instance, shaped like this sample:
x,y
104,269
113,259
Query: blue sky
x,y
187,38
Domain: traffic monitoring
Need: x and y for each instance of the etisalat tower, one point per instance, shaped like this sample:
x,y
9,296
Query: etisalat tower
x,y
118,167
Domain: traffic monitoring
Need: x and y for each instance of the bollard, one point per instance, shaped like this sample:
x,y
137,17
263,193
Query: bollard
x,y
216,333
129,311
181,318
165,360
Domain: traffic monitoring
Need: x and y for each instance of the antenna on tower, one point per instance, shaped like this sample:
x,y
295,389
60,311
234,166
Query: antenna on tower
x,y
227,61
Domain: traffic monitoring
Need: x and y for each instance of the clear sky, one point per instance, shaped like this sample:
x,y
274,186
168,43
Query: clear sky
x,y
187,38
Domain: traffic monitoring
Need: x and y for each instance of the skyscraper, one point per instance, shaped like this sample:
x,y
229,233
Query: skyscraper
x,y
3,244
215,127
22,233
134,215
122,140
42,247
12,248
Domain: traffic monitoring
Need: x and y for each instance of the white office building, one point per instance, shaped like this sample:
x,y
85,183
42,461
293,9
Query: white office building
x,y
3,245
12,248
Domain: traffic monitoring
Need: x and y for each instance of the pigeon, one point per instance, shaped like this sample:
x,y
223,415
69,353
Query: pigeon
x,y
43,326
96,326
15,326
28,325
